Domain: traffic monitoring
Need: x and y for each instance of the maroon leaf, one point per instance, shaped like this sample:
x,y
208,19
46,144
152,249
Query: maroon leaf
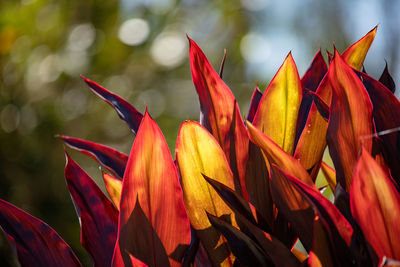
x,y
124,110
387,80
35,243
310,81
110,158
98,216
385,111
255,100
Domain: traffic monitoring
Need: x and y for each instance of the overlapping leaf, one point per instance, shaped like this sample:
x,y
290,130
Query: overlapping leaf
x,y
110,158
356,53
274,154
198,153
98,216
125,111
387,80
312,142
220,112
293,206
35,243
374,196
350,119
386,110
254,102
113,187
310,81
153,224
278,108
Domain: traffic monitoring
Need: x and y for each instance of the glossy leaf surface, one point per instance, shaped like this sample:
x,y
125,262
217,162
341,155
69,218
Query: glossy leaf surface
x,y
98,216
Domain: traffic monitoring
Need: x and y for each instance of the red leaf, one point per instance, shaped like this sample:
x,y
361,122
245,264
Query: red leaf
x,y
151,192
218,111
110,158
124,110
35,243
375,205
329,214
98,216
350,119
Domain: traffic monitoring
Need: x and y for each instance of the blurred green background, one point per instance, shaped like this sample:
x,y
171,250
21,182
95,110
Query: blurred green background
x,y
138,49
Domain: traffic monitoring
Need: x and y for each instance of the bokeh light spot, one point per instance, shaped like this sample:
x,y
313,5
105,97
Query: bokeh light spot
x,y
9,118
134,32
254,48
169,49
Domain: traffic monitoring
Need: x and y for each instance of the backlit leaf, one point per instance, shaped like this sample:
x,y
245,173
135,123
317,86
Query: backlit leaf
x,y
278,109
356,53
373,196
198,153
151,194
350,119
218,110
113,187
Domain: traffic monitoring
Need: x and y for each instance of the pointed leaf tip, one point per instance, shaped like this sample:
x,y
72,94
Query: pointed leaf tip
x,y
373,195
151,180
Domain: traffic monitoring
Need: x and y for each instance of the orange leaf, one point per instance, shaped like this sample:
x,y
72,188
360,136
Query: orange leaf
x,y
350,119
113,187
220,113
151,206
355,54
274,154
278,109
375,205
198,153
312,142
